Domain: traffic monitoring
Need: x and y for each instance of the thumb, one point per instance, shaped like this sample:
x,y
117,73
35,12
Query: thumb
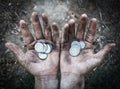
x,y
16,50
106,49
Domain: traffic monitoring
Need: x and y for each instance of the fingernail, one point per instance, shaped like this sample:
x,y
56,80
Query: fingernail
x,y
72,21
84,15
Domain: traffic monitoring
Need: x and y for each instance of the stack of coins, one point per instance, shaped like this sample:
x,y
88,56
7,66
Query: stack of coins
x,y
76,47
43,49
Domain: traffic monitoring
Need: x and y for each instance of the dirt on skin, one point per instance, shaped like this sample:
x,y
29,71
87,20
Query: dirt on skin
x,y
13,76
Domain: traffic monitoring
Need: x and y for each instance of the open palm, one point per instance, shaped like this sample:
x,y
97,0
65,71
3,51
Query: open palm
x,y
73,69
30,59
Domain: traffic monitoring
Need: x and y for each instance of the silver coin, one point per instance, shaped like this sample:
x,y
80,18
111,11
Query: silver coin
x,y
39,47
74,50
45,47
42,55
41,41
49,48
74,43
82,44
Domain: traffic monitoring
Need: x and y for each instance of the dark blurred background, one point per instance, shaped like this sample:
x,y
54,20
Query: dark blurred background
x,y
106,76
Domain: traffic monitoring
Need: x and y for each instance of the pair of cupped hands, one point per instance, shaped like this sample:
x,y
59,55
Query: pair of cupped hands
x,y
59,59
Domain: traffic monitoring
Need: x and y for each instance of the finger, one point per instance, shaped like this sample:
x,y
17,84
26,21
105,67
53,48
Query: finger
x,y
98,58
47,28
37,26
81,27
55,33
26,33
65,33
31,46
16,50
105,50
91,32
71,30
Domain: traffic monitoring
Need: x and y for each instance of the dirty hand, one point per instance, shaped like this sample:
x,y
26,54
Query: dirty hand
x,y
73,69
44,71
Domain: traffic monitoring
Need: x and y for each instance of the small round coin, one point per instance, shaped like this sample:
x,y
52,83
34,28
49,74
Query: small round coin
x,y
42,55
74,50
74,43
49,48
39,47
45,47
82,44
41,41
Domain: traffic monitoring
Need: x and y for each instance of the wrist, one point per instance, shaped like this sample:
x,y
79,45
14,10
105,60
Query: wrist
x,y
71,81
46,82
